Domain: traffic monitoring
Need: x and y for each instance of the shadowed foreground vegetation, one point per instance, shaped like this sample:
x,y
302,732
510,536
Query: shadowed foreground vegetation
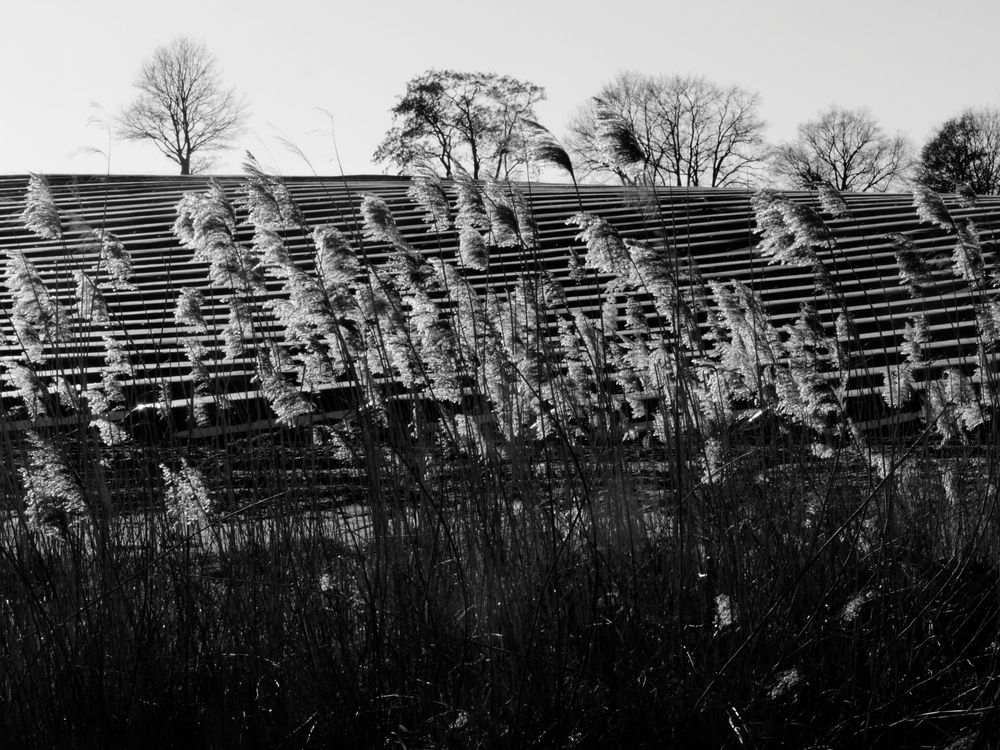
x,y
439,516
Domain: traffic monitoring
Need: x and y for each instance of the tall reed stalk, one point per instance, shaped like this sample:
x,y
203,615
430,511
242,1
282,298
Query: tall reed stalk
x,y
419,486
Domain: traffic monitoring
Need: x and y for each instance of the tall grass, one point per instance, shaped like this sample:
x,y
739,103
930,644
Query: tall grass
x,y
415,498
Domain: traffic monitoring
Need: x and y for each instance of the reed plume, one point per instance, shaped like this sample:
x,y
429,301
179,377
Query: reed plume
x,y
789,231
379,223
913,269
967,257
544,147
266,199
931,209
285,399
206,222
188,311
618,137
427,192
606,252
471,220
90,300
37,316
41,216
832,201
186,495
505,230
29,388
53,498
117,261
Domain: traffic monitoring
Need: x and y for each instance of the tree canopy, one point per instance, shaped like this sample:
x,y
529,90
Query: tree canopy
x,y
845,148
681,130
965,150
453,119
182,106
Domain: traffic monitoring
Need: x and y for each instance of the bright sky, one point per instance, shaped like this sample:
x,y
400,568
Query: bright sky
x,y
914,63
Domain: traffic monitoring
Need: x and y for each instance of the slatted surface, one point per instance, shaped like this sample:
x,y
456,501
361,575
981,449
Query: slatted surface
x,y
715,228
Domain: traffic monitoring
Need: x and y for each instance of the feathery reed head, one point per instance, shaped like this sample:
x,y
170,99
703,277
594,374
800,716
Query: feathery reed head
x,y
789,231
69,397
786,683
618,137
967,255
53,498
186,494
470,203
205,219
29,388
197,358
92,304
334,257
37,316
285,399
270,247
527,229
206,222
913,269
832,201
931,209
110,433
472,249
380,224
545,148
188,310
606,252
268,203
967,196
238,335
116,359
915,336
116,366
505,216
40,213
427,192
897,385
116,261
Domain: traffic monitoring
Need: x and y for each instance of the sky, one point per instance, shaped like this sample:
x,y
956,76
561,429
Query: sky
x,y
318,73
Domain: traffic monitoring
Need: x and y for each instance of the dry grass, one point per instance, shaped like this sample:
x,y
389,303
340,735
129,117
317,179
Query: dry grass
x,y
543,530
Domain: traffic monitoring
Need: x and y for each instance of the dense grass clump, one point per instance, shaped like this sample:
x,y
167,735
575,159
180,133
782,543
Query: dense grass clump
x,y
411,502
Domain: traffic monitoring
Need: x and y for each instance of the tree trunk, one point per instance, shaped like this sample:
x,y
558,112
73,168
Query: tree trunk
x,y
185,163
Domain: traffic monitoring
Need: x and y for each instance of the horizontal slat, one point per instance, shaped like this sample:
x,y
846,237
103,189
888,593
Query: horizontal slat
x,y
714,228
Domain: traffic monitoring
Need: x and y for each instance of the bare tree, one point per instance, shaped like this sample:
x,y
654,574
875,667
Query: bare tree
x,y
845,148
685,130
449,117
182,107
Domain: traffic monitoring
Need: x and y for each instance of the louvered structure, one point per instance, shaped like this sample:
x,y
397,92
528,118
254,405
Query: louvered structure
x,y
714,229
